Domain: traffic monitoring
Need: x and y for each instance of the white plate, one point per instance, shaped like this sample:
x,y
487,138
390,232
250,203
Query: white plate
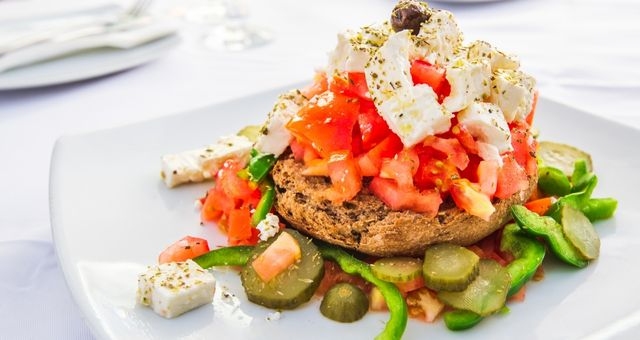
x,y
111,216
85,65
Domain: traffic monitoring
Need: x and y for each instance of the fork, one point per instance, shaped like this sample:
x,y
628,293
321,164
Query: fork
x,y
84,29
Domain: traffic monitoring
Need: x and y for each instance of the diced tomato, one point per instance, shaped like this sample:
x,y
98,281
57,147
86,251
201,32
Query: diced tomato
x,y
278,256
520,139
401,168
231,184
297,149
333,274
465,138
424,304
354,85
371,161
540,206
511,178
434,171
376,300
229,204
423,72
520,295
318,86
488,177
373,128
427,201
184,249
316,167
469,198
451,147
326,124
239,230
346,180
406,287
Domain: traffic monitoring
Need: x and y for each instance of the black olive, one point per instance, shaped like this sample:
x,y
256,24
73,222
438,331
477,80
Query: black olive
x,y
409,15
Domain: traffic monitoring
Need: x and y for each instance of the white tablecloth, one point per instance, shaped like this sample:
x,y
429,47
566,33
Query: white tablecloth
x,y
585,53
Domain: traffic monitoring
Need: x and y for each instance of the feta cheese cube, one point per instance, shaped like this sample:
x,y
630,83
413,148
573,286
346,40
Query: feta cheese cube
x,y
513,92
274,136
201,164
439,38
469,82
483,51
486,122
355,48
412,112
268,227
171,289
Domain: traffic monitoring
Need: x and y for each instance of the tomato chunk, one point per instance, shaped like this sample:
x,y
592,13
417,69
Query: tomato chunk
x,y
326,123
470,199
184,249
278,256
346,180
422,72
511,178
354,85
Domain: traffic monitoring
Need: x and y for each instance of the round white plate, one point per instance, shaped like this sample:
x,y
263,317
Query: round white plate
x,y
85,65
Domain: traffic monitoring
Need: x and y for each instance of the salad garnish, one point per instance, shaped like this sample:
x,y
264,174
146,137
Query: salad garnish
x,y
409,115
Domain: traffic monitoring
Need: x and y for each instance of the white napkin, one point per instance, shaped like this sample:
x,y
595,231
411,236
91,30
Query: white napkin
x,y
26,40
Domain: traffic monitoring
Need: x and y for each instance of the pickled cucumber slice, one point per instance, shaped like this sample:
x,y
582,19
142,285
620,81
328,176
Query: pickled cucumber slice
x,y
486,294
290,288
344,302
397,269
449,267
562,156
580,232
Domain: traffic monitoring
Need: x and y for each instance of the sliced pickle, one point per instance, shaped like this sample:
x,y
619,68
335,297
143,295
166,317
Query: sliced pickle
x,y
580,232
486,294
562,156
449,267
397,269
292,287
344,302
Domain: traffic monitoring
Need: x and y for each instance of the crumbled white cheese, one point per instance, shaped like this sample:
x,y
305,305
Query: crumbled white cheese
x,y
439,38
274,136
513,91
486,122
481,50
355,48
274,316
268,227
489,152
201,164
469,82
412,112
171,289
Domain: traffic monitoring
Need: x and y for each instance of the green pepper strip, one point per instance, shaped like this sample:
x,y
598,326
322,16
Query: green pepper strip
x,y
577,199
397,323
553,181
547,228
599,208
259,165
267,188
528,254
580,176
227,256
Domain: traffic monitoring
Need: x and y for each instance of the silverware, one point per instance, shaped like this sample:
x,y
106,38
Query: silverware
x,y
83,28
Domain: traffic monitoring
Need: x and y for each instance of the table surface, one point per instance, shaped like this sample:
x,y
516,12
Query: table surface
x,y
584,53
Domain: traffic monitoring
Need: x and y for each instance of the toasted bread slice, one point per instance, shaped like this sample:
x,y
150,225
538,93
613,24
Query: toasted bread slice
x,y
367,225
